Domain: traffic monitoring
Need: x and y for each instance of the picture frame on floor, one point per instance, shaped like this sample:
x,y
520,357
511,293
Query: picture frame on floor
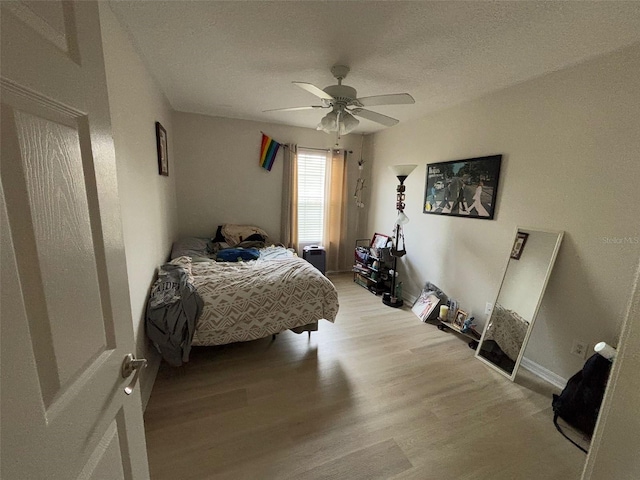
x,y
425,305
458,320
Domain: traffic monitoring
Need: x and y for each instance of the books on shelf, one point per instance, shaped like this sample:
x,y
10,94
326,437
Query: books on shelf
x,y
360,269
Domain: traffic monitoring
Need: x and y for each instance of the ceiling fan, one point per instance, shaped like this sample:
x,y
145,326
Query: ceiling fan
x,y
344,104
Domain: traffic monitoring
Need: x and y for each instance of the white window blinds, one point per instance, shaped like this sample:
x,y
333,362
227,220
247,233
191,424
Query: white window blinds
x,y
312,167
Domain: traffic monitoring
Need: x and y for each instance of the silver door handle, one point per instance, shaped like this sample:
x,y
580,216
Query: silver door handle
x,y
130,364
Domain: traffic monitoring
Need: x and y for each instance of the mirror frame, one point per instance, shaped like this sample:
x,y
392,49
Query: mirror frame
x,y
552,261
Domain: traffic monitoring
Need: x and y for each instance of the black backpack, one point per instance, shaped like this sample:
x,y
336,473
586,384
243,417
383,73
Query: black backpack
x,y
579,403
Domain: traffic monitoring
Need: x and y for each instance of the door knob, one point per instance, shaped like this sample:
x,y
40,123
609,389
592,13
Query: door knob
x,y
129,365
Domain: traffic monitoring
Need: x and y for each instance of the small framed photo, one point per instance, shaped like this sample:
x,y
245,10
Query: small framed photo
x,y
518,245
163,151
459,319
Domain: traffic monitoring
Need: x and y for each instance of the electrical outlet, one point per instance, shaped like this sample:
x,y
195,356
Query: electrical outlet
x,y
488,308
579,349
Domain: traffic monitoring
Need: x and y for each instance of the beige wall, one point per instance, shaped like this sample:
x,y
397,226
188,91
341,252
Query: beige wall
x,y
524,278
220,181
616,441
570,142
148,200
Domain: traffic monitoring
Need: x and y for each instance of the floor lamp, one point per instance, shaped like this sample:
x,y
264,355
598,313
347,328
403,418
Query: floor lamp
x,y
398,248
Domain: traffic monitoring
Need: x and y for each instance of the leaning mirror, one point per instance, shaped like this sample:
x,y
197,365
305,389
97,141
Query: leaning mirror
x,y
525,278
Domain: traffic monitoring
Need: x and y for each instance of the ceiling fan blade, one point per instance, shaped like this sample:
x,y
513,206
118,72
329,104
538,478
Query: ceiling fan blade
x,y
374,117
292,109
318,92
391,99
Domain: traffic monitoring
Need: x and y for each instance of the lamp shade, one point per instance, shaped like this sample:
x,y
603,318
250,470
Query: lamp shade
x,y
402,170
402,219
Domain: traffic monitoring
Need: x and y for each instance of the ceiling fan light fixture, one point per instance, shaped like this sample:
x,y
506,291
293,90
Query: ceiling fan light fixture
x,y
348,123
329,122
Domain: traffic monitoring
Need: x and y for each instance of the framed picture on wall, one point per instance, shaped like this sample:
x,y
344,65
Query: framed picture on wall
x,y
463,188
163,151
518,245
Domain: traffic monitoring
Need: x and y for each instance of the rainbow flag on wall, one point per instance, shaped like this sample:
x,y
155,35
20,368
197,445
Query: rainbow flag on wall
x,y
268,152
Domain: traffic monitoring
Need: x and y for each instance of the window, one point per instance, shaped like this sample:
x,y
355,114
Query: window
x,y
312,171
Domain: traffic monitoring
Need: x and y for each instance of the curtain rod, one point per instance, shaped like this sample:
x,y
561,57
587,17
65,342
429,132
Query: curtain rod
x,y
319,149
284,145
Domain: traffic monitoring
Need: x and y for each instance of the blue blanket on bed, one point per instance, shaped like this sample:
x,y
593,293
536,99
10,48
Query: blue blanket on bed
x,y
237,254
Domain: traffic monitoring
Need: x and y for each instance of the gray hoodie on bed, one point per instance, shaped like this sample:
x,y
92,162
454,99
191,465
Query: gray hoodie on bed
x,y
172,311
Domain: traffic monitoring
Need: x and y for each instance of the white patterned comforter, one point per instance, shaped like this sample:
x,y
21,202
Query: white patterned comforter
x,y
250,300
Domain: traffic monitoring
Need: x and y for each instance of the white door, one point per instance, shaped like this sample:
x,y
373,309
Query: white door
x,y
65,315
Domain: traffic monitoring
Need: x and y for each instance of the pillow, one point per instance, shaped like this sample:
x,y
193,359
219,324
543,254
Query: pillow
x,y
235,234
250,244
217,246
194,247
256,237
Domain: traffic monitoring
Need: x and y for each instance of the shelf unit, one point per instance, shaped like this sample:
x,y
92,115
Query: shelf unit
x,y
472,334
371,271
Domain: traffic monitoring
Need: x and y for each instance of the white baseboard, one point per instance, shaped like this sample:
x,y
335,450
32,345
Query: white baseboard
x,y
410,299
545,374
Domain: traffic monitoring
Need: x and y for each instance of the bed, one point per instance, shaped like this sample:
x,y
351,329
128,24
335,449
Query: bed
x,y
248,300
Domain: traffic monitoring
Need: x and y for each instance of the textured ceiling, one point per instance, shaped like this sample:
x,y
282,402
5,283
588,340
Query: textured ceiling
x,y
237,58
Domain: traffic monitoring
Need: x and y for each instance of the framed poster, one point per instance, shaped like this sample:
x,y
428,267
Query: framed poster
x,y
425,304
463,188
163,151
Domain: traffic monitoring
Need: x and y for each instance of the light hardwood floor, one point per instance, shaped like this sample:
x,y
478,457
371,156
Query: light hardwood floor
x,y
377,395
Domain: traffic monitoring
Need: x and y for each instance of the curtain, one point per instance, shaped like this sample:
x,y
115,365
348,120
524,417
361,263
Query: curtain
x,y
335,227
289,217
